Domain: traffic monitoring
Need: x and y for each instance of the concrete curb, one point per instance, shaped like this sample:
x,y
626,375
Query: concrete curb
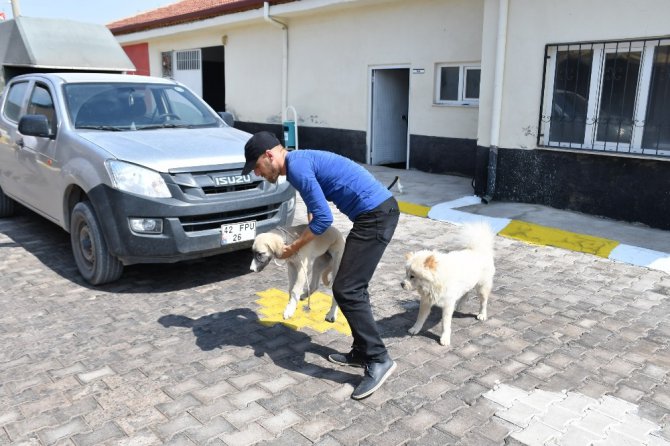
x,y
542,235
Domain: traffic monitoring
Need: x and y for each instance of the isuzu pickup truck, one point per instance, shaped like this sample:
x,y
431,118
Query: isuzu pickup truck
x,y
137,169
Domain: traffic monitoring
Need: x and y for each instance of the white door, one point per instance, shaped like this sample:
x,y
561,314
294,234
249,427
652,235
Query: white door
x,y
388,121
188,69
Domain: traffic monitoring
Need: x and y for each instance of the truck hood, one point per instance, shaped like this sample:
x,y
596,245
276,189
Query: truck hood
x,y
165,149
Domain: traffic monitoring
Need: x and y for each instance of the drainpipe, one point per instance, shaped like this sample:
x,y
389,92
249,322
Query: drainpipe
x,y
284,27
16,9
496,109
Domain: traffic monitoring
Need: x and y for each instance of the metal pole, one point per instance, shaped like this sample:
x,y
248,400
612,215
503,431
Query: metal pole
x,y
15,8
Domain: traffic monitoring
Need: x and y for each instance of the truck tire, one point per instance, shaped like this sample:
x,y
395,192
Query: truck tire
x,y
90,251
6,205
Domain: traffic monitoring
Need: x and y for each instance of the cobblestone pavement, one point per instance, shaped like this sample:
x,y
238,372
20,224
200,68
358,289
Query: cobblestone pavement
x,y
576,350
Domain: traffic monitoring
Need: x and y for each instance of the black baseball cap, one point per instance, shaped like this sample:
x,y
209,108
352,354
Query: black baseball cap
x,y
255,147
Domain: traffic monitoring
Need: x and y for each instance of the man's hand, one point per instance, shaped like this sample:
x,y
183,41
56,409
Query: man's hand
x,y
289,251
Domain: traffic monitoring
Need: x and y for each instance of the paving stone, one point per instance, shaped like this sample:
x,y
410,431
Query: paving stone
x,y
107,433
52,435
496,429
421,421
576,436
246,397
469,392
519,414
635,427
595,422
536,433
433,437
446,405
293,438
179,424
209,430
278,423
505,395
240,418
459,424
178,406
212,392
87,377
314,429
397,434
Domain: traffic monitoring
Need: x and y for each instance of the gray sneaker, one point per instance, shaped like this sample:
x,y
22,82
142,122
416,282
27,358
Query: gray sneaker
x,y
375,375
352,359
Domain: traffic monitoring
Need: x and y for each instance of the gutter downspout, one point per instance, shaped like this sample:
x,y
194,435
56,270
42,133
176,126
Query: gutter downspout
x,y
496,109
16,9
284,27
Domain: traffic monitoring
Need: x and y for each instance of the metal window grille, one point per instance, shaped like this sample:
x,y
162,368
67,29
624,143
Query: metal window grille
x,y
188,60
607,96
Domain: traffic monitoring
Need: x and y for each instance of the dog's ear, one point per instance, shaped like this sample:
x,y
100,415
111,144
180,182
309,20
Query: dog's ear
x,y
276,245
430,263
409,255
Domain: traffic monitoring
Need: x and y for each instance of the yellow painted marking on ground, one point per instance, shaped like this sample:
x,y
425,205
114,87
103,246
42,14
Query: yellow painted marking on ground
x,y
543,235
413,209
273,302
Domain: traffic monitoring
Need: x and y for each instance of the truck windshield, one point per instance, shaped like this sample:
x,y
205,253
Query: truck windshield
x,y
135,106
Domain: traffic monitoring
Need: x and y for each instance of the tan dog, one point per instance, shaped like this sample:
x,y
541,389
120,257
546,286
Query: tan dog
x,y
442,279
319,258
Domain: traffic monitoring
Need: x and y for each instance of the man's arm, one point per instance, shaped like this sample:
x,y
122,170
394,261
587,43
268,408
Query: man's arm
x,y
306,237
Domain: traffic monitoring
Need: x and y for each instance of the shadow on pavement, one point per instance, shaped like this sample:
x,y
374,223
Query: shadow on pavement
x,y
50,244
240,327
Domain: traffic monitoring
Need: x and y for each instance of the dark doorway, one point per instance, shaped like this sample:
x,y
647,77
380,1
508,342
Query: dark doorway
x,y
214,77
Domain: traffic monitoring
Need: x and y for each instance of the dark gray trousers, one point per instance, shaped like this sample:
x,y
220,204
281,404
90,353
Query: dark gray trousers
x,y
365,245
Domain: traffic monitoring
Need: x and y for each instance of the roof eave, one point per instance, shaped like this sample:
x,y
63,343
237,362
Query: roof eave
x,y
228,8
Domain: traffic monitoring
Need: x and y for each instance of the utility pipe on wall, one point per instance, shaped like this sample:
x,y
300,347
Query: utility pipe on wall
x,y
496,108
16,9
284,27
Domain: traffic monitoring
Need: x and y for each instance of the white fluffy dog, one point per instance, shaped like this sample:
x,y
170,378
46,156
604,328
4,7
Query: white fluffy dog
x,y
443,278
319,258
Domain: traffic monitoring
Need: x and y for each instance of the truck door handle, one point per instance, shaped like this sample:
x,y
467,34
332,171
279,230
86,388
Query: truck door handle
x,y
19,142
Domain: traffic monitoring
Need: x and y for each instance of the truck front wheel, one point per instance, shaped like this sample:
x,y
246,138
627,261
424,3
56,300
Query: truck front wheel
x,y
6,205
90,251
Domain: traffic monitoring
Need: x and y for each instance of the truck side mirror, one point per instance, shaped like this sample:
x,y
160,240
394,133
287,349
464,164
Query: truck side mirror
x,y
35,125
227,118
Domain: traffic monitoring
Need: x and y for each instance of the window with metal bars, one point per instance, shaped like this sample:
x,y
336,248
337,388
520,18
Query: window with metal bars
x,y
188,60
607,96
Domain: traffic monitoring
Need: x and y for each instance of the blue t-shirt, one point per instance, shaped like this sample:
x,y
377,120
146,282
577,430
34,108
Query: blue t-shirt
x,y
321,176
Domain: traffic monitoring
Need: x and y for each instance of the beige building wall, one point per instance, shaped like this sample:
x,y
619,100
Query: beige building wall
x,y
532,24
331,53
332,57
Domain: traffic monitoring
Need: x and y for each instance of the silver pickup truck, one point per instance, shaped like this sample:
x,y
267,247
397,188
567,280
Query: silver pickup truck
x,y
137,169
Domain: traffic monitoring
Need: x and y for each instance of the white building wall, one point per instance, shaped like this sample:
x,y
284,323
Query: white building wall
x,y
331,57
331,52
533,24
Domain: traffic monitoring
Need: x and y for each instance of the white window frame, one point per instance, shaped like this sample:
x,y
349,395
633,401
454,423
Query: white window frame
x,y
591,143
462,74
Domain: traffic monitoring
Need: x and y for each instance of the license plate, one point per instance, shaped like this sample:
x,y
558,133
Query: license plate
x,y
238,232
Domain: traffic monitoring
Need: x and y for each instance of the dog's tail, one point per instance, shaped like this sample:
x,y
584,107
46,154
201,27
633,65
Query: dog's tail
x,y
478,236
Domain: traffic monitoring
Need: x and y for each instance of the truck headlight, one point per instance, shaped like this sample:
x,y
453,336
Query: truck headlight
x,y
137,180
146,225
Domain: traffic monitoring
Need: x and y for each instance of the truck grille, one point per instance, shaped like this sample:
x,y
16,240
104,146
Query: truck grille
x,y
214,182
213,190
214,221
